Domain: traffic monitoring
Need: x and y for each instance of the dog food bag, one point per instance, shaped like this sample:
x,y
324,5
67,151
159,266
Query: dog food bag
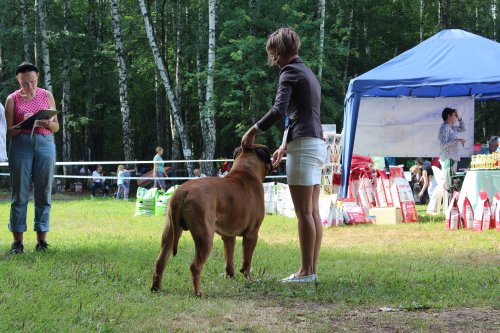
x,y
145,203
354,183
482,215
467,213
368,185
452,218
333,214
495,204
270,198
363,198
382,190
352,212
495,212
403,198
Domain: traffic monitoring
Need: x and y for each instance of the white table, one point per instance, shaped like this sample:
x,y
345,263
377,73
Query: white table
x,y
478,180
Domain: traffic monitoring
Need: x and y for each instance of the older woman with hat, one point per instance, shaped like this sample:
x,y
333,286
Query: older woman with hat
x,y
31,157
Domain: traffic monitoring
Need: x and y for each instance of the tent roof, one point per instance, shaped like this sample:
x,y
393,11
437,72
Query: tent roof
x,y
451,63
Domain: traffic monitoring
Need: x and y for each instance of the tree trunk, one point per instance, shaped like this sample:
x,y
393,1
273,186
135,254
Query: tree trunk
x,y
127,130
494,14
349,37
161,67
158,91
89,77
199,69
321,9
44,44
24,14
66,96
35,37
421,20
207,118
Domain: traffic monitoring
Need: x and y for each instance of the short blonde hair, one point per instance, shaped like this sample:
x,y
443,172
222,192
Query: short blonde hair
x,y
121,167
284,42
158,149
415,169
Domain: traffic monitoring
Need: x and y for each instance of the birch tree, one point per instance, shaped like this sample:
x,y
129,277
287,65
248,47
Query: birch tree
x,y
207,118
44,45
494,11
162,69
127,130
421,26
321,9
24,14
66,96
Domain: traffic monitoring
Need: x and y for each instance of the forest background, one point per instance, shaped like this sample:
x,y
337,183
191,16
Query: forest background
x,y
192,76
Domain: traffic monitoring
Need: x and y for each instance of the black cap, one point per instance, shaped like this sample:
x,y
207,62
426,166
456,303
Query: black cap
x,y
26,67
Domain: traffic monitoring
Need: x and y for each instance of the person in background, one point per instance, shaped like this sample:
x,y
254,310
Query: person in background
x,y
298,100
98,181
31,157
123,183
449,143
197,173
419,161
426,178
159,170
493,144
3,135
225,168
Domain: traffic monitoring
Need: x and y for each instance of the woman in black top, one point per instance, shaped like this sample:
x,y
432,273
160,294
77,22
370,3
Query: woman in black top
x,y
298,99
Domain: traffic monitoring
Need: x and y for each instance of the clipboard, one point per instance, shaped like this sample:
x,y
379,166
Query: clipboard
x,y
40,115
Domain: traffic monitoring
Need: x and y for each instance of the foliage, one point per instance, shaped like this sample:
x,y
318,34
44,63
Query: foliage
x,y
359,35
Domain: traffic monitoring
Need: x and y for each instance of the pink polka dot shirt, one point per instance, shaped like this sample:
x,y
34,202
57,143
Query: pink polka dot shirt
x,y
22,106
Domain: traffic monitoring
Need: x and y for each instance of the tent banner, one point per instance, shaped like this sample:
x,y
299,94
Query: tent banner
x,y
408,126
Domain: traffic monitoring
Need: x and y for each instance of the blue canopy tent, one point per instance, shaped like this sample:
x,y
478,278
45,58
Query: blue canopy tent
x,y
449,64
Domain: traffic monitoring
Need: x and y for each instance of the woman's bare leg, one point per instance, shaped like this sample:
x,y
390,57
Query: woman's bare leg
x,y
305,200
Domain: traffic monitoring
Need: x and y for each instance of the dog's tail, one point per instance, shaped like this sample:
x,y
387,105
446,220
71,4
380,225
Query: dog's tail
x,y
175,216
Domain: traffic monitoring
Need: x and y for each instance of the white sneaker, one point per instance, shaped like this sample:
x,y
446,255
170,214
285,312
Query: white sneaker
x,y
300,279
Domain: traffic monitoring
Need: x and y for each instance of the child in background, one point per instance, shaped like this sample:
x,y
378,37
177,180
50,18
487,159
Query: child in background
x,y
123,184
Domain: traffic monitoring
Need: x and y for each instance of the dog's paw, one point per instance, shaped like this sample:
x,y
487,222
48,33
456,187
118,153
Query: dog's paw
x,y
155,289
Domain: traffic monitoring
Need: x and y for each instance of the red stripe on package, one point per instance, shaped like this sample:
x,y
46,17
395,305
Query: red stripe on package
x,y
482,215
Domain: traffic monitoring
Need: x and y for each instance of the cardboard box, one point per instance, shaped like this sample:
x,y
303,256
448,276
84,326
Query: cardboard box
x,y
387,215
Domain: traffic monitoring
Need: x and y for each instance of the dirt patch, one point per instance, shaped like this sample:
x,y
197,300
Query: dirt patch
x,y
306,317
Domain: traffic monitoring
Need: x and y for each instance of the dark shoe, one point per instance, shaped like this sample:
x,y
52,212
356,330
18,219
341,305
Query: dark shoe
x,y
42,246
17,247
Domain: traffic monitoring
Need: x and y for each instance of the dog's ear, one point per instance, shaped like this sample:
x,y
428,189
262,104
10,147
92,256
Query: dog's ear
x,y
237,152
265,155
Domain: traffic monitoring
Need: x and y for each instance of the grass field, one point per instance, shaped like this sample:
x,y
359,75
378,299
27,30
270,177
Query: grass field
x,y
97,273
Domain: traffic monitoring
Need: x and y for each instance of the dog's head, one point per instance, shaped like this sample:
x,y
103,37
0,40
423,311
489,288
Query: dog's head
x,y
261,151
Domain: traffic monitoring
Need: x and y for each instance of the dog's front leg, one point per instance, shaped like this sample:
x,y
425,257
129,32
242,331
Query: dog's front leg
x,y
229,244
249,243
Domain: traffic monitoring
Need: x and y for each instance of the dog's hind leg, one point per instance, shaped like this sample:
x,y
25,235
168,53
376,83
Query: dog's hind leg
x,y
249,243
203,247
167,241
229,244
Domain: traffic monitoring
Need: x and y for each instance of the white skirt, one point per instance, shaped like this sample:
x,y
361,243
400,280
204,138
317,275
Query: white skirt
x,y
305,158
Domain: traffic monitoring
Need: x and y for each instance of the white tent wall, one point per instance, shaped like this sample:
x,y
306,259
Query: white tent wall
x,y
408,126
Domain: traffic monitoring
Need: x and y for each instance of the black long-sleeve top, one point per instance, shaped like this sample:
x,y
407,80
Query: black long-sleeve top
x,y
298,96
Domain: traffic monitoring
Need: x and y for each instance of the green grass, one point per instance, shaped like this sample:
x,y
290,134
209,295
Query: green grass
x,y
97,273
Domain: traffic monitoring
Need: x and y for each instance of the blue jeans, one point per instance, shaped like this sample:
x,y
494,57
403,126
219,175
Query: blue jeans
x,y
31,160
122,192
160,182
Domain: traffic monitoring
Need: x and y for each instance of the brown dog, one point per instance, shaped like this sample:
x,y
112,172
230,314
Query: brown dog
x,y
230,206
